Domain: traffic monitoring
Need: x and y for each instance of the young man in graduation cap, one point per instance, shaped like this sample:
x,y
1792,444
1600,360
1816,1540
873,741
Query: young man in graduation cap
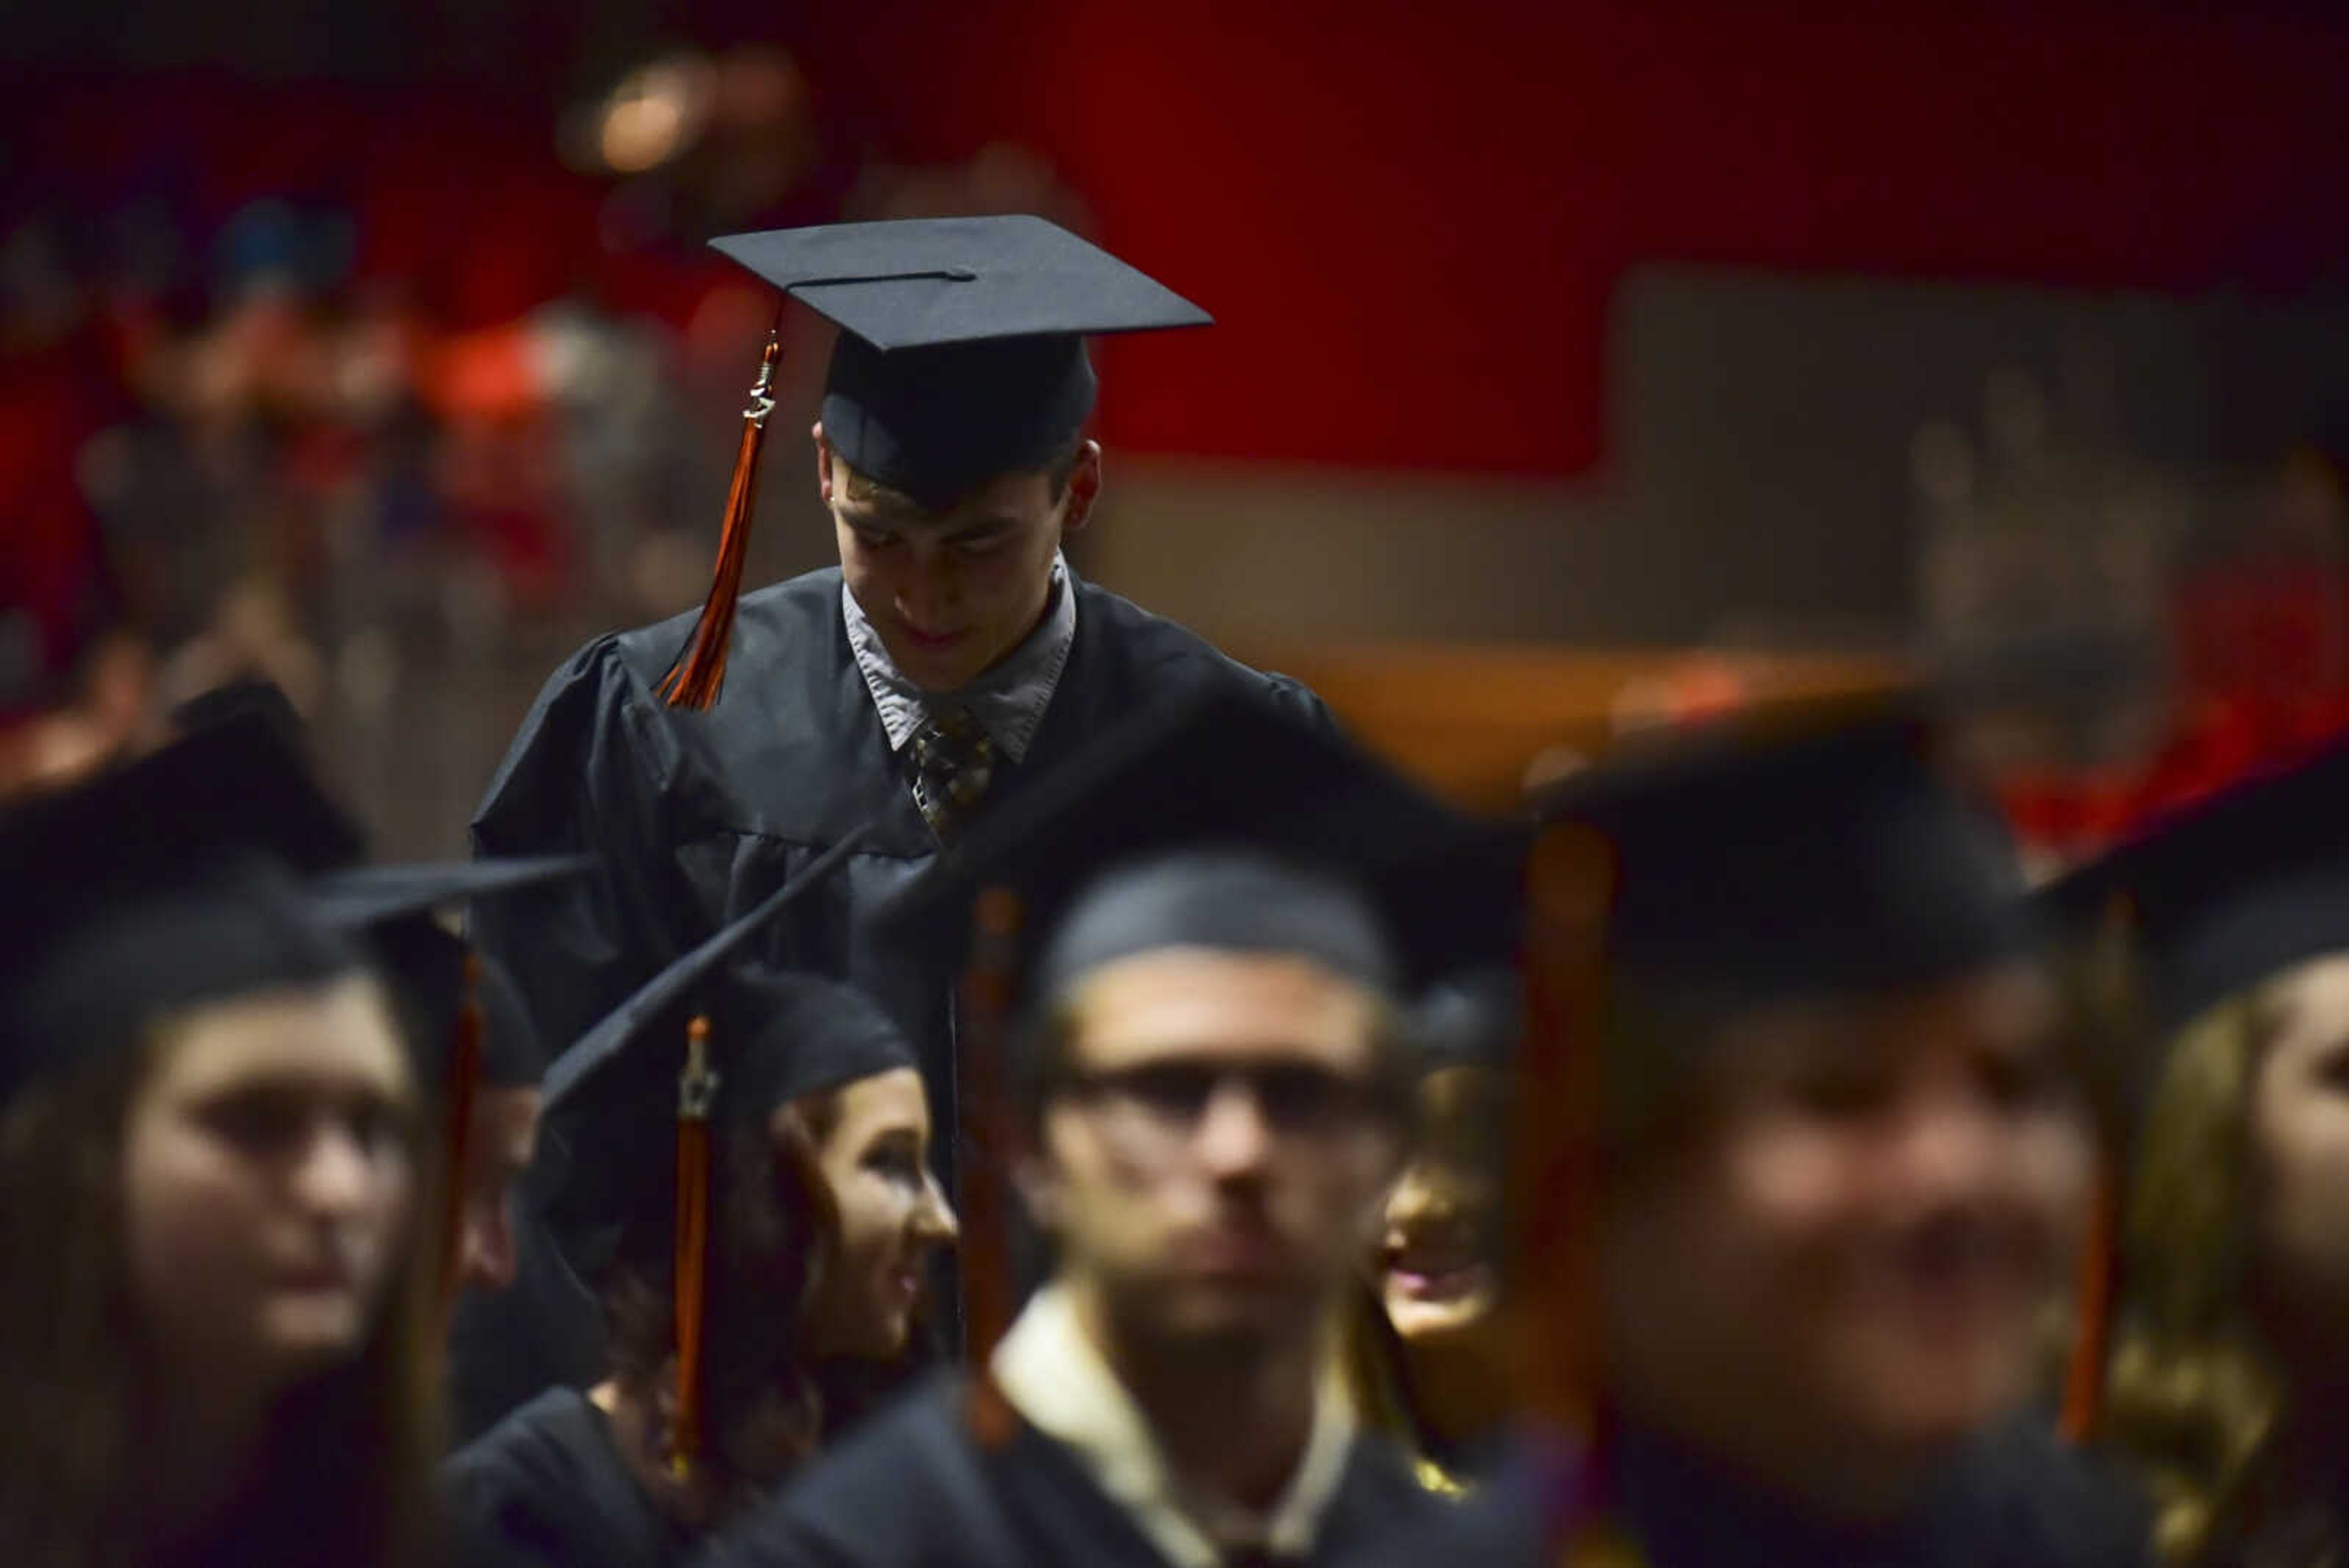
x,y
1211,1096
1837,1165
948,662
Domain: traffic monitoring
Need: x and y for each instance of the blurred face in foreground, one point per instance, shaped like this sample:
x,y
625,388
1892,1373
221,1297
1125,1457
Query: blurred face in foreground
x,y
268,1185
1215,1152
1830,1270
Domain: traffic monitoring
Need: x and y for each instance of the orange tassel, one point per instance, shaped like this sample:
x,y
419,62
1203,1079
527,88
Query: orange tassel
x,y
984,1126
699,673
464,1086
2083,1377
1554,1141
697,1087
1556,1173
2097,1290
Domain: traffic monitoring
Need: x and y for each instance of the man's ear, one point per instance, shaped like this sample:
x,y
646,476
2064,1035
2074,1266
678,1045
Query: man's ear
x,y
822,462
1084,487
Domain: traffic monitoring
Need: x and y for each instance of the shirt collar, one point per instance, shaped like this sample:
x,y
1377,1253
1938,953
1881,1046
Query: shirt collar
x,y
1055,1378
1008,698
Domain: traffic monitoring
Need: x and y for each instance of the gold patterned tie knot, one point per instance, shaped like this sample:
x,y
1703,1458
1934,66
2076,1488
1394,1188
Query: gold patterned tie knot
x,y
949,761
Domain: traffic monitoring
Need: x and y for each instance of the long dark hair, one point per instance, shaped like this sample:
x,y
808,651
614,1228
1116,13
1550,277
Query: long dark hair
x,y
345,1474
767,1403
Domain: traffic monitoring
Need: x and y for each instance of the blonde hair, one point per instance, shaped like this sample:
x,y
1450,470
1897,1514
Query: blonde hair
x,y
2193,1398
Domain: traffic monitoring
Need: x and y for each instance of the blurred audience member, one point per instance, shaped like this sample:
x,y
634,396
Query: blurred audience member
x,y
2229,1380
1430,1357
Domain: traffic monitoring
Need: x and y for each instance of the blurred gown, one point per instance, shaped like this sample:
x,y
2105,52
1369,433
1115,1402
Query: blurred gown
x,y
2016,1498
917,1487
546,1488
701,815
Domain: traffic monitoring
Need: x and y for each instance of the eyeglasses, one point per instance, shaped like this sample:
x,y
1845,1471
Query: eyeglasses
x,y
1166,1103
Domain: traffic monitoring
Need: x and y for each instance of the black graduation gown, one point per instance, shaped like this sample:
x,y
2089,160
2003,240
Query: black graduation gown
x,y
2015,1499
917,1487
546,1328
700,815
545,1488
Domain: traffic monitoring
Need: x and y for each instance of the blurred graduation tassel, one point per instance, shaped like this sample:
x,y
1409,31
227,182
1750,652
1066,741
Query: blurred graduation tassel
x,y
2083,1377
697,1088
699,672
1554,1144
464,1084
1556,1175
2113,988
983,1141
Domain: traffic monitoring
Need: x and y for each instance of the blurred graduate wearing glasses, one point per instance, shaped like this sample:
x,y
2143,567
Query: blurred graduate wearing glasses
x,y
1211,1092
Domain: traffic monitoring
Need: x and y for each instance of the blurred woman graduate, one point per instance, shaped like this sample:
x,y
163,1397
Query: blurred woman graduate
x,y
2229,1377
213,1302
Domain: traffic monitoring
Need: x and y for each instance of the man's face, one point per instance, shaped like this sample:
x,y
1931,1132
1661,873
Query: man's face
x,y
952,592
1839,1264
1212,1165
498,1149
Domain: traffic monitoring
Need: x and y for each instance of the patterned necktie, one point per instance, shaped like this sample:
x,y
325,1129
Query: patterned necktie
x,y
949,761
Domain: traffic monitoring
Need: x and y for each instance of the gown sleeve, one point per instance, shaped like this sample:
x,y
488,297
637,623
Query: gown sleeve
x,y
588,771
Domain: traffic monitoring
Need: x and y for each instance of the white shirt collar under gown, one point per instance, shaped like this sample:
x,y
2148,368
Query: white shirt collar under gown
x,y
1053,1375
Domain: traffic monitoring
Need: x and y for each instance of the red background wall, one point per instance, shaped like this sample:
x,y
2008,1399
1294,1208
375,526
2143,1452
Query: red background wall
x,y
1409,217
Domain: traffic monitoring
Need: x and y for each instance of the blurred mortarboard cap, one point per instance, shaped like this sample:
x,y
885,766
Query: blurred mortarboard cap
x,y
1223,897
2229,891
612,1099
962,354
256,697
167,882
1813,847
1167,811
1472,1018
393,908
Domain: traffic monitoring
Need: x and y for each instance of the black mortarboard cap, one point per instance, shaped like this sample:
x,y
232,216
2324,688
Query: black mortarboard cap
x,y
393,908
774,1038
167,882
1156,821
612,1098
962,350
1810,849
2230,890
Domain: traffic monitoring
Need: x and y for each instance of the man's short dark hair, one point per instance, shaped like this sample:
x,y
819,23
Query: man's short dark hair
x,y
862,488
